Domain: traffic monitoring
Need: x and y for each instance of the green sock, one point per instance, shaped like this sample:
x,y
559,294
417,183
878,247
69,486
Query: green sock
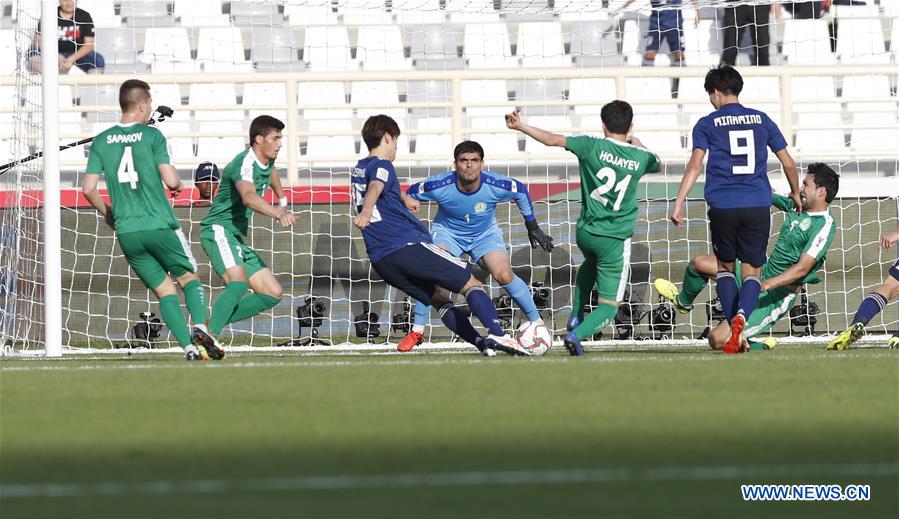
x,y
251,305
170,308
583,285
692,286
195,299
596,321
225,304
756,346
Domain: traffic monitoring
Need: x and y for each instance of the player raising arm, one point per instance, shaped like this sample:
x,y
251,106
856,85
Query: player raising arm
x,y
134,159
402,252
873,303
610,169
737,191
244,181
466,224
797,256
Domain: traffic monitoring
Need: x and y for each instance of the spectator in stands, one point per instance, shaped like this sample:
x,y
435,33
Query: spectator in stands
x,y
803,10
75,29
667,24
206,180
752,18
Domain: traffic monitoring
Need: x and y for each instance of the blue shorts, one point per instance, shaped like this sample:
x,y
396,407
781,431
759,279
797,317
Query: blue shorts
x,y
667,25
419,268
490,240
89,61
894,270
740,233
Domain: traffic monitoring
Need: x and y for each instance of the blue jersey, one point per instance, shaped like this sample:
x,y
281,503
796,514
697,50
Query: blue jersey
x,y
469,215
737,139
392,225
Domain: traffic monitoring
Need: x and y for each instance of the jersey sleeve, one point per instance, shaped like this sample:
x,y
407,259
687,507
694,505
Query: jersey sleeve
x,y
784,203
776,139
505,189
161,149
94,163
427,189
383,172
820,238
653,164
87,26
700,135
579,145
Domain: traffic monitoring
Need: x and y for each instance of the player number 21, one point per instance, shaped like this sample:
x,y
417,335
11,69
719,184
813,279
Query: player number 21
x,y
747,150
607,177
127,174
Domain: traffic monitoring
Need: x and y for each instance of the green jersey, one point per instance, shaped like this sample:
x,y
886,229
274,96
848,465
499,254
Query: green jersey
x,y
228,209
805,233
610,171
129,155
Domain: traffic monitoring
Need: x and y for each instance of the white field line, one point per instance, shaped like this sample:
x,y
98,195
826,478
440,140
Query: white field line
x,y
415,360
447,479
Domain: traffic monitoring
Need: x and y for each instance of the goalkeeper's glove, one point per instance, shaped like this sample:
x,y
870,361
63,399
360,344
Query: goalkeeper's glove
x,y
538,237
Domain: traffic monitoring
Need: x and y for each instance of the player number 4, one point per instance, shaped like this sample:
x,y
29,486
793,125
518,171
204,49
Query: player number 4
x,y
747,150
127,174
607,177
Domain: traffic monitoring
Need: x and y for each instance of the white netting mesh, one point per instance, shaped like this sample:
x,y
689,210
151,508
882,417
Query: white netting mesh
x,y
447,70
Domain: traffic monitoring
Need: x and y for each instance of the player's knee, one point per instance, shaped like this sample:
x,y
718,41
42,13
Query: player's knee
x,y
166,288
717,337
503,276
186,278
472,284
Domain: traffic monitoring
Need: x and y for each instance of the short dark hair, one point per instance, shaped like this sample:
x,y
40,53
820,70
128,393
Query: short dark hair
x,y
617,116
724,79
264,125
825,177
375,127
132,92
468,147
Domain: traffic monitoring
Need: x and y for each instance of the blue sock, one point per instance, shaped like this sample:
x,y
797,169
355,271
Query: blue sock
x,y
458,323
728,293
749,295
871,306
522,295
481,306
420,316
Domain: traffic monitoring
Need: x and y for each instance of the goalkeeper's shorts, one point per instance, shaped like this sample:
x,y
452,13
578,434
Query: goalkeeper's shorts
x,y
154,253
226,249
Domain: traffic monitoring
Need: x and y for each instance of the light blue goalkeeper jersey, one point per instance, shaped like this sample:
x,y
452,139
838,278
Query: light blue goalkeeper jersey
x,y
469,215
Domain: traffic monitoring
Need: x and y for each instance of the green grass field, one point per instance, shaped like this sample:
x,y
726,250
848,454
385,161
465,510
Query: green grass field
x,y
661,432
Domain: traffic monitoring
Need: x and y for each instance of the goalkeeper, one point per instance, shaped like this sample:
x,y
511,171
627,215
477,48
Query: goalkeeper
x,y
243,182
797,256
134,159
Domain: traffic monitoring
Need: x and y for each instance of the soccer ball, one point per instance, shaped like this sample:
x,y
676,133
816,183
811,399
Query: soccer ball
x,y
534,337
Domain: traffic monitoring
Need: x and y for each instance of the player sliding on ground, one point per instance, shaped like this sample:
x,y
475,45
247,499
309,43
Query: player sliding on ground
x,y
737,191
402,252
873,304
610,169
797,256
466,224
134,159
243,183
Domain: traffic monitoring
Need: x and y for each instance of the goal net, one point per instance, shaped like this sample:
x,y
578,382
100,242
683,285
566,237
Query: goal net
x,y
448,70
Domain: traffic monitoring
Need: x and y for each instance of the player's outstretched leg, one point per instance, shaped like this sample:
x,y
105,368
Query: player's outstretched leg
x,y
872,305
481,306
698,272
458,323
893,342
419,320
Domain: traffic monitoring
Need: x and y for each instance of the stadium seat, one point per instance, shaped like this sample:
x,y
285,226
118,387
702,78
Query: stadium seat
x,y
168,95
870,87
167,50
380,47
439,143
702,44
560,124
119,49
841,12
860,41
540,90
484,91
817,131
102,12
580,11
265,94
220,149
807,42
631,38
875,139
319,12
593,44
821,89
497,140
255,13
323,93
649,89
471,11
430,91
146,13
66,100
8,52
760,89
525,11
418,12
322,146
93,96
592,90
275,49
434,47
487,46
221,49
894,38
660,140
328,49
375,93
214,94
200,13
540,45
364,12
181,148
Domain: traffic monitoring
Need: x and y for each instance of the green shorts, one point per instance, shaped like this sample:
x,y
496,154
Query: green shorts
x,y
772,306
226,249
154,253
610,259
